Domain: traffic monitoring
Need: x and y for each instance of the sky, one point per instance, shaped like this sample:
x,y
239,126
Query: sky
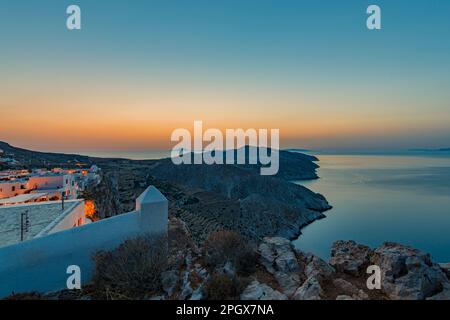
x,y
137,70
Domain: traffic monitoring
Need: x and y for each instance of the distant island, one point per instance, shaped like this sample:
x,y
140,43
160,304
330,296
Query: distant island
x,y
299,150
430,150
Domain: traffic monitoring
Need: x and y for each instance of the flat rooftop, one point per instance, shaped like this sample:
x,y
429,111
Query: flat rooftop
x,y
40,215
22,198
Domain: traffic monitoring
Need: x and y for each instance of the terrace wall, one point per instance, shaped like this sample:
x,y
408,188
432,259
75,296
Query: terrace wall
x,y
41,264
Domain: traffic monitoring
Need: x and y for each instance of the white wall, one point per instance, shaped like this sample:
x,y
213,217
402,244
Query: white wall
x,y
55,182
40,264
68,219
46,182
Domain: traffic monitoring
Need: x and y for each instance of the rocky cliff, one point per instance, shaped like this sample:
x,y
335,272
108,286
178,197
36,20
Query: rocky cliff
x,y
406,273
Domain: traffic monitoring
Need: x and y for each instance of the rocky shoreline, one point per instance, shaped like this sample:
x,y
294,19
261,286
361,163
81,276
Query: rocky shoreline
x,y
289,274
285,273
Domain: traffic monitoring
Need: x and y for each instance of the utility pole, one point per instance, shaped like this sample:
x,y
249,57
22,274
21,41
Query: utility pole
x,y
24,224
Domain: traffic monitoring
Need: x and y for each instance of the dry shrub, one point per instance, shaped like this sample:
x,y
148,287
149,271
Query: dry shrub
x,y
228,246
225,287
133,270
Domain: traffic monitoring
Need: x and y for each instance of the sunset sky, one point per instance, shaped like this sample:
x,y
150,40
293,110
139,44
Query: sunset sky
x,y
140,69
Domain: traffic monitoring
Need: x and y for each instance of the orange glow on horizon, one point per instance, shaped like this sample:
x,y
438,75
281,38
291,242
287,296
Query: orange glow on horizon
x,y
132,118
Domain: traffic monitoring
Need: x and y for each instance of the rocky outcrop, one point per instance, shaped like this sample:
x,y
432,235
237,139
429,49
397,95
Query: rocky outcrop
x,y
261,291
309,290
278,257
350,257
317,267
345,286
409,273
406,273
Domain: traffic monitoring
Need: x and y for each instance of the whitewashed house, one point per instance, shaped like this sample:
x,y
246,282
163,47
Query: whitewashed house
x,y
55,240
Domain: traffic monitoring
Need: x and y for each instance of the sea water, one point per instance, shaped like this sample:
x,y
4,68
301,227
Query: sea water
x,y
377,198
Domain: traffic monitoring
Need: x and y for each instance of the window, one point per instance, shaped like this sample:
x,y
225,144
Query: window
x,y
13,188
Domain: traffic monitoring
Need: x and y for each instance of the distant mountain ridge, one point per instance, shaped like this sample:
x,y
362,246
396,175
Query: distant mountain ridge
x,y
292,165
37,158
232,197
429,150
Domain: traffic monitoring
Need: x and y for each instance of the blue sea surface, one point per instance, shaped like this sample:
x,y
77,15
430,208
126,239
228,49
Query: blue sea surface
x,y
377,198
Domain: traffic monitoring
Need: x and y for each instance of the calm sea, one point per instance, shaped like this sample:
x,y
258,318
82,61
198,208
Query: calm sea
x,y
377,198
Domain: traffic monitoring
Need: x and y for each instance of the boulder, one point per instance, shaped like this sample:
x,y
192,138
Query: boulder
x,y
277,255
289,282
309,290
345,287
318,267
349,257
408,273
260,291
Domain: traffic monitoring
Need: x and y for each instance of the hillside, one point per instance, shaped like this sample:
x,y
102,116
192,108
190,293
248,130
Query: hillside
x,y
205,197
35,158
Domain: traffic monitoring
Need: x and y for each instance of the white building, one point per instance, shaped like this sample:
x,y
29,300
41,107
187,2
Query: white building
x,y
40,263
12,188
56,184
43,218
